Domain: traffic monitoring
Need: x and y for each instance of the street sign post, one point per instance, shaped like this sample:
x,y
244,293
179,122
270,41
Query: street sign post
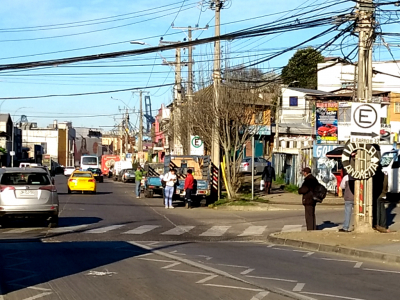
x,y
365,123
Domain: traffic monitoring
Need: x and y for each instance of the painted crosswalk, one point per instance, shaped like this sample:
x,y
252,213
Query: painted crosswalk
x,y
142,229
178,230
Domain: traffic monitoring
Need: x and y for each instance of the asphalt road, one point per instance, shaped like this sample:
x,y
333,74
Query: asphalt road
x,y
114,246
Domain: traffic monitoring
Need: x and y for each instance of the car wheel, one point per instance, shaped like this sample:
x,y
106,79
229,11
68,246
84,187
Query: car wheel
x,y
69,191
94,192
53,223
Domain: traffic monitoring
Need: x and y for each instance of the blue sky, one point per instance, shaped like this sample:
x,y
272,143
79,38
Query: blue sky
x,y
97,26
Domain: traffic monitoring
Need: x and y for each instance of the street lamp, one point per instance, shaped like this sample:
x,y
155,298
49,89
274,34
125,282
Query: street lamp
x,y
12,138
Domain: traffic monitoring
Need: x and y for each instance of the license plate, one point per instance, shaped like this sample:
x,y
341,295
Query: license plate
x,y
26,193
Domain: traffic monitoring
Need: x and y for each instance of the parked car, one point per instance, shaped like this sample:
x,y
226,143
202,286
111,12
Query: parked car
x,y
82,181
68,171
97,173
246,165
28,192
153,186
126,175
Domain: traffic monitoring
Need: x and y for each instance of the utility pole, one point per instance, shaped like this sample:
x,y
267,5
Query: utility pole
x,y
190,76
363,188
215,145
140,141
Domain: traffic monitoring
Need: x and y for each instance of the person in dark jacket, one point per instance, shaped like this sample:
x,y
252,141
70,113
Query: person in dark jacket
x,y
307,188
268,175
380,189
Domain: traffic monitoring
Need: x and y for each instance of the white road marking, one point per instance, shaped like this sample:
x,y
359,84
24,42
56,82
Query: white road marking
x,y
157,260
178,230
171,265
234,287
142,229
215,231
247,271
253,230
104,229
383,271
38,288
206,257
308,253
271,278
299,287
153,243
296,295
66,229
38,296
291,228
233,266
260,296
270,246
100,273
207,279
189,272
358,265
283,249
332,296
22,230
177,253
189,262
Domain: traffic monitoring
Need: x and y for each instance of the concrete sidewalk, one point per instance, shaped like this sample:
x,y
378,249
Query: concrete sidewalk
x,y
382,247
279,196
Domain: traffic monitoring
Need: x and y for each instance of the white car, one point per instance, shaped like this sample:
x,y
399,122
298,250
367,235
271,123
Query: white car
x,y
68,171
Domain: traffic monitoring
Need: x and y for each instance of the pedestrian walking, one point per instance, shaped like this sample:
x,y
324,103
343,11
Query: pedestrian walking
x,y
268,175
307,188
138,180
347,185
380,189
170,181
189,183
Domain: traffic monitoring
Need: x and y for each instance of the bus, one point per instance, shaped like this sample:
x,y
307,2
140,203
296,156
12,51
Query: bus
x,y
89,161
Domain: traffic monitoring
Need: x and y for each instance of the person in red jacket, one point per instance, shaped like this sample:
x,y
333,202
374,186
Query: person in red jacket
x,y
189,182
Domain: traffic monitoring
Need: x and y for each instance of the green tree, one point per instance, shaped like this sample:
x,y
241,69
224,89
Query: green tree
x,y
302,67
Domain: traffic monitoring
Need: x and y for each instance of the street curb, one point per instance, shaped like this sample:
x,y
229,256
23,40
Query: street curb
x,y
373,255
253,208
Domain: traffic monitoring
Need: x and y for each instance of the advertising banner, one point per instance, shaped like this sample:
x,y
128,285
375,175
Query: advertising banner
x,y
321,150
326,124
385,133
87,146
344,121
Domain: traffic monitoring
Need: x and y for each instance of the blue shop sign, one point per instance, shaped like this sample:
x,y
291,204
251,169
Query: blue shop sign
x,y
321,150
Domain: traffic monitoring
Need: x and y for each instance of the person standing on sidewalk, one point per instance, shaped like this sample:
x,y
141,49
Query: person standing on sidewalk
x,y
138,180
170,180
347,185
380,189
189,183
307,188
268,175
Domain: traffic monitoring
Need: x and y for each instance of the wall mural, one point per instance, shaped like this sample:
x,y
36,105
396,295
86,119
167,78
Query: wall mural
x,y
325,175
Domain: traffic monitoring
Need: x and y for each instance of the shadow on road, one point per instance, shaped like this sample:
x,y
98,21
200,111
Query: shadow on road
x,y
327,224
28,264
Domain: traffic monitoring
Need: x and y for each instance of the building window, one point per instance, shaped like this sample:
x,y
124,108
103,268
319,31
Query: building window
x,y
293,101
397,107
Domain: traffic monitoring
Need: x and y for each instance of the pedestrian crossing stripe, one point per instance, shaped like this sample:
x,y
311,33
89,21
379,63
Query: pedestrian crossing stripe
x,y
213,231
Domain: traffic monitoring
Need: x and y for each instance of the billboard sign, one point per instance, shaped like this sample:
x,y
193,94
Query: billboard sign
x,y
326,122
344,121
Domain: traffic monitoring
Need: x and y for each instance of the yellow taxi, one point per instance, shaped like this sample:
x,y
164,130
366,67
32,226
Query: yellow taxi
x,y
82,181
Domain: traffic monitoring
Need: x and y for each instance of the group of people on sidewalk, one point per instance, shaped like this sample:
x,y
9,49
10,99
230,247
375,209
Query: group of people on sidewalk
x,y
169,182
380,189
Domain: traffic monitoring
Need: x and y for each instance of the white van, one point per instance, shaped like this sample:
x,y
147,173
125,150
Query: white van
x,y
390,162
120,165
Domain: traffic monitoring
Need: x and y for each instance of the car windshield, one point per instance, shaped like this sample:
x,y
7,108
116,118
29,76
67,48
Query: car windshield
x,y
24,179
131,171
86,175
387,158
89,160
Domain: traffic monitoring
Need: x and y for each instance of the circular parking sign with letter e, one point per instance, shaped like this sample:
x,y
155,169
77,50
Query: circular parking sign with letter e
x,y
365,116
197,142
